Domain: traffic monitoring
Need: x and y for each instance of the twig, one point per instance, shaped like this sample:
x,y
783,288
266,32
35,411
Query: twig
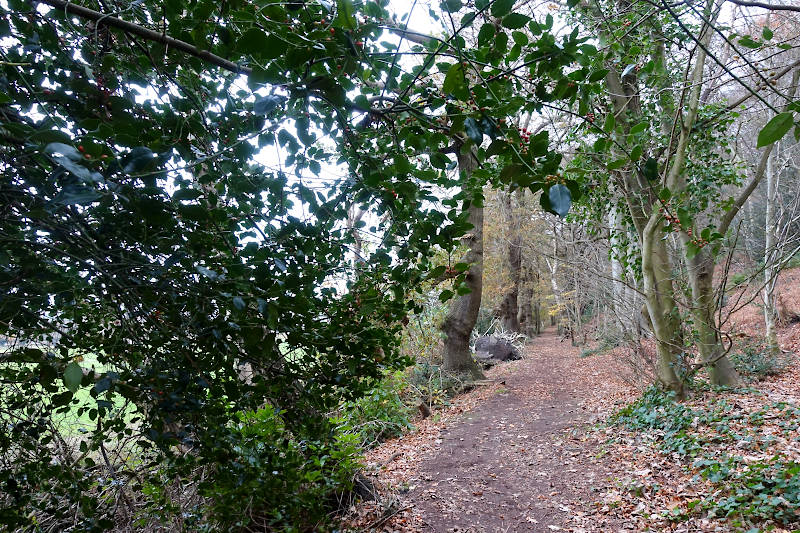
x,y
385,518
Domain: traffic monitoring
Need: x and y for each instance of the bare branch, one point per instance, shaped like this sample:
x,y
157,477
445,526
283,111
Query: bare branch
x,y
771,7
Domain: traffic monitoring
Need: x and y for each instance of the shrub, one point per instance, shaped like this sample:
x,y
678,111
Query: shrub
x,y
757,362
271,480
380,414
432,385
606,343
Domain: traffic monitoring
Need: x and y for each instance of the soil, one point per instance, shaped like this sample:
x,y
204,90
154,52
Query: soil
x,y
522,457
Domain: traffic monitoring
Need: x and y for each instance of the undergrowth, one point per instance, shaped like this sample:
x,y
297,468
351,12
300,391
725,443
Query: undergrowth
x,y
605,344
751,477
756,362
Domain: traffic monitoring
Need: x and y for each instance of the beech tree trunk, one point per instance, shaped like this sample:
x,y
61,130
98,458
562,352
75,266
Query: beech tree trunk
x,y
463,313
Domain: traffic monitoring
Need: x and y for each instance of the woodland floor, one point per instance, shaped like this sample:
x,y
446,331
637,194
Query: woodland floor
x,y
516,455
532,450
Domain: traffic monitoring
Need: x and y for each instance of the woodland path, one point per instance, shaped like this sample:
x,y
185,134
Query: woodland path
x,y
522,459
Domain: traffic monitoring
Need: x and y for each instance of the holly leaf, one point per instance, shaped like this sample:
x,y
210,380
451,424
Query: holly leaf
x,y
775,129
515,21
454,82
650,169
473,130
501,8
560,199
345,16
265,104
73,374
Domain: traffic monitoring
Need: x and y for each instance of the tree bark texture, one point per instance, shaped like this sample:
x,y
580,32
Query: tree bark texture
x,y
463,313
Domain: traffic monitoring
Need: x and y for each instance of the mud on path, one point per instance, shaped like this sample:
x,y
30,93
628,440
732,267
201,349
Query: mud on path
x,y
520,458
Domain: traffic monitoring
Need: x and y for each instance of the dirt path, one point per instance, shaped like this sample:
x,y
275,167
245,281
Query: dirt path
x,y
522,459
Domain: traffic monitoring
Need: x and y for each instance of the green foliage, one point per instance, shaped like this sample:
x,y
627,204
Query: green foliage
x,y
775,129
744,490
794,262
606,343
379,414
271,479
757,362
430,384
764,490
658,412
738,279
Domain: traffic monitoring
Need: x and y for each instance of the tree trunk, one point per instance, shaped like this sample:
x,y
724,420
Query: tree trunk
x,y
770,257
661,306
463,313
704,306
509,307
525,317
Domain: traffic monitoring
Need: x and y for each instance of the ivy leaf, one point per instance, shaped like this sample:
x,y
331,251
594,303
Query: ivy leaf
x,y
560,199
73,374
775,129
445,295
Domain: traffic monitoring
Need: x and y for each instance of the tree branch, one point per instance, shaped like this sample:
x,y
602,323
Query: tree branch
x,y
759,174
771,7
150,35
